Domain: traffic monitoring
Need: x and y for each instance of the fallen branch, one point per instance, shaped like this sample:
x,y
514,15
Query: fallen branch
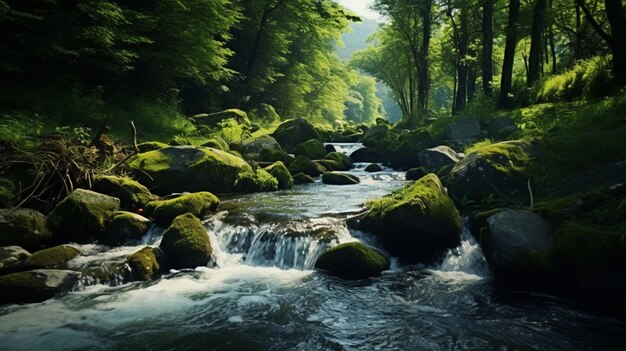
x,y
135,151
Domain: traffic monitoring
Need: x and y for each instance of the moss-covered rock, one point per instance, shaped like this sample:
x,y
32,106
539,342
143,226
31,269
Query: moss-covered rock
x,y
293,132
37,285
417,222
7,191
373,168
374,135
312,149
352,260
281,173
147,264
415,173
198,204
336,178
214,119
23,227
216,143
186,243
303,165
301,178
257,181
126,226
186,168
273,155
264,113
493,170
131,193
257,144
403,151
336,161
54,257
434,159
11,258
367,154
180,140
82,215
151,146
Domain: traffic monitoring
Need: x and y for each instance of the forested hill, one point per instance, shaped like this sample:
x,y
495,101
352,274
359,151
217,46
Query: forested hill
x,y
357,38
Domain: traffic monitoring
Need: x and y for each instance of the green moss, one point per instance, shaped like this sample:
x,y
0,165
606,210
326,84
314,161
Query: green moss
x,y
303,165
186,242
340,159
352,260
281,173
335,178
198,204
293,132
301,178
131,193
126,226
258,181
151,145
312,149
54,257
179,140
216,143
147,264
506,157
7,191
23,227
273,155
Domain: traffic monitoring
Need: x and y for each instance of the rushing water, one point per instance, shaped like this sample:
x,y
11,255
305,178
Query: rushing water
x,y
264,295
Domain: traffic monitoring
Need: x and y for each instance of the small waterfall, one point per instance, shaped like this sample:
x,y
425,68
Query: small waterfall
x,y
467,259
346,148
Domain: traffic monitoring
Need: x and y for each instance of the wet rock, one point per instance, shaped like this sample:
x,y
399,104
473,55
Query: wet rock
x,y
353,261
37,285
131,193
198,204
417,222
23,227
82,215
293,132
11,258
312,149
374,135
463,129
147,264
373,168
54,257
438,157
306,166
301,178
336,161
330,148
335,178
367,154
281,173
415,173
186,243
126,226
188,168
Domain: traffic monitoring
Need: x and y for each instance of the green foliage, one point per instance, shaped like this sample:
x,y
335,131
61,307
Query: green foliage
x,y
588,79
258,181
20,129
478,145
198,204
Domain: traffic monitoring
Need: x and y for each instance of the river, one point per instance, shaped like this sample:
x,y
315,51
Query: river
x,y
263,293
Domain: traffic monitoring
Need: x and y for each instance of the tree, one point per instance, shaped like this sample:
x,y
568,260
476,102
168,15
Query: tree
x,y
536,42
487,42
509,54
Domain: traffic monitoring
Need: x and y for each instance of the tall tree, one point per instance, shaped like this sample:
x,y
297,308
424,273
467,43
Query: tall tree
x,y
506,82
487,46
536,42
423,76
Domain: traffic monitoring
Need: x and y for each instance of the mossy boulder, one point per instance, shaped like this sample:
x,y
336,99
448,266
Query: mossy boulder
x,y
23,227
187,168
434,159
417,222
216,143
147,264
304,165
374,135
312,149
281,173
293,132
257,181
367,154
126,226
301,178
54,257
214,119
11,258
199,204
151,146
180,140
131,193
353,261
403,152
255,145
264,113
82,215
272,155
336,161
373,168
495,170
415,173
336,178
37,285
186,243
7,191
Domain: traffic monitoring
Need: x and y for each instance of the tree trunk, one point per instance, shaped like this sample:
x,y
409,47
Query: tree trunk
x,y
617,21
504,100
487,55
536,42
472,74
461,65
424,81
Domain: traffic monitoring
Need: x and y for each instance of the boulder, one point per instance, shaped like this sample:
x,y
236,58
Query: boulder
x,y
281,173
255,145
374,135
367,154
272,155
188,168
353,261
147,264
131,193
265,113
216,143
373,168
186,243
415,173
293,132
37,285
82,215
303,165
495,170
257,181
336,161
126,226
151,146
403,152
335,178
23,227
312,149
463,129
7,191
11,258
54,257
500,128
301,178
517,244
198,204
417,222
438,157
214,119
330,148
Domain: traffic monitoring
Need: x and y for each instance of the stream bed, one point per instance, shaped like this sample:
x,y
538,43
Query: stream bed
x,y
263,293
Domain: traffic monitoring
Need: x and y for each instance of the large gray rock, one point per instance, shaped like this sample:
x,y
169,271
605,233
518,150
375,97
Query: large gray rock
x,y
11,257
36,285
293,132
255,145
500,128
465,128
23,227
438,157
516,243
